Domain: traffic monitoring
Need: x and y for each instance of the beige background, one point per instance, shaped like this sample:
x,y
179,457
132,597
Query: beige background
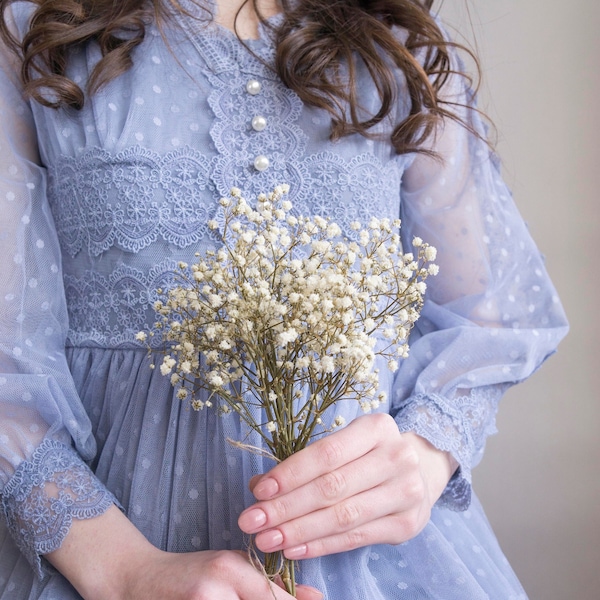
x,y
540,478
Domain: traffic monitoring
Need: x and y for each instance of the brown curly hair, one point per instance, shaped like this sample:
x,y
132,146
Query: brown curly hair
x,y
314,39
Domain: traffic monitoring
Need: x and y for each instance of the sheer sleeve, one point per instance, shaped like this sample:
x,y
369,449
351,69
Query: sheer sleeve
x,y
491,316
44,482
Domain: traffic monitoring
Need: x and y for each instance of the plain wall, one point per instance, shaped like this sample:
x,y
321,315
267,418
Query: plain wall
x,y
540,478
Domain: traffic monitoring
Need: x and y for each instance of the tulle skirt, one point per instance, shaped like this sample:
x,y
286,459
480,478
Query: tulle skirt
x,y
184,485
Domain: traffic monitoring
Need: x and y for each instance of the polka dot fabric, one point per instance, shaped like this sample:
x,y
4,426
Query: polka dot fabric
x,y
99,205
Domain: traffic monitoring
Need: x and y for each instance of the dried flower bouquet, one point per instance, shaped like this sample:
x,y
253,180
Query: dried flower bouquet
x,y
286,319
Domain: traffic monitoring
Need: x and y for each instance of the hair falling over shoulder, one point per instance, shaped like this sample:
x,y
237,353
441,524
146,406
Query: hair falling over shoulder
x,y
315,38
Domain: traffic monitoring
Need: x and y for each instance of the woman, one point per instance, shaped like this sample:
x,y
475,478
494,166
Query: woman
x,y
122,123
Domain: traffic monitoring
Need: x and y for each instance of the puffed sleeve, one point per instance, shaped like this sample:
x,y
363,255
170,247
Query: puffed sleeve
x,y
491,316
45,434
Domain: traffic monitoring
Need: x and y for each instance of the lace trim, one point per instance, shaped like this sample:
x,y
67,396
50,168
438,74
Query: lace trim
x,y
130,199
460,426
110,311
222,50
45,494
135,197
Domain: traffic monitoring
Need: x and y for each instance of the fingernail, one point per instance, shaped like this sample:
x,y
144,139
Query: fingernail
x,y
269,540
296,551
252,520
265,489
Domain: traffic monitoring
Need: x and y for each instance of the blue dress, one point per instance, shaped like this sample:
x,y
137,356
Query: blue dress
x,y
98,206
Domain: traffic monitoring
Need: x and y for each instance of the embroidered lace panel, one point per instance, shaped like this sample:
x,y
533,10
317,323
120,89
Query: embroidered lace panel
x,y
135,198
129,199
108,311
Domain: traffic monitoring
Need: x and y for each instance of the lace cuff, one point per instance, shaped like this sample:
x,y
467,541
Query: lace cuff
x,y
459,426
45,494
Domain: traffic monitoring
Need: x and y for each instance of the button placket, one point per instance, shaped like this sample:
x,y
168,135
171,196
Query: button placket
x,y
259,123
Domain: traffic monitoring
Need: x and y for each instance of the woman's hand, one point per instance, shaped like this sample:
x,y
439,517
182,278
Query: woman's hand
x,y
209,575
364,484
107,558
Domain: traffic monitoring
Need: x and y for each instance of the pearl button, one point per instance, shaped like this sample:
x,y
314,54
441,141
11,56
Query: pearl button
x,y
253,87
261,163
259,123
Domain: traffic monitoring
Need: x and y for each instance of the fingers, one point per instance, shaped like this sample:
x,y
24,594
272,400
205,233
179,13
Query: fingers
x,y
391,464
392,529
361,485
331,489
325,455
231,575
386,514
323,491
344,516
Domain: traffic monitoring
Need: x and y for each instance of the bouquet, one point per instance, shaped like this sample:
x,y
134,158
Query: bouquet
x,y
286,319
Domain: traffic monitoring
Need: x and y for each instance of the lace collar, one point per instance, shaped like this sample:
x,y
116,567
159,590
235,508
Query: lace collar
x,y
221,48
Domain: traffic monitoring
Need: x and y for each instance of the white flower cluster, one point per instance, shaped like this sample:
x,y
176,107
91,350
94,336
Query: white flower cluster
x,y
288,304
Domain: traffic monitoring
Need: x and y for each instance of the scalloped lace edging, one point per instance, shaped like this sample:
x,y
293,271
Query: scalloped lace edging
x,y
45,494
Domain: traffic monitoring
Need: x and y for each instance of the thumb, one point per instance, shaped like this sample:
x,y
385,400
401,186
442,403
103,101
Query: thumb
x,y
253,481
305,592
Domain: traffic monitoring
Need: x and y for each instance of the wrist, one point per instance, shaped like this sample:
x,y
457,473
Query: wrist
x,y
437,466
103,556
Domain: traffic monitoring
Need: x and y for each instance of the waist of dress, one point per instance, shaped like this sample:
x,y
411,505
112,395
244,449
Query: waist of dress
x,y
108,309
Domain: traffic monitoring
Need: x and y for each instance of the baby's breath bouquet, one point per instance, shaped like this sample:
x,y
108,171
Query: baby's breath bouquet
x,y
286,319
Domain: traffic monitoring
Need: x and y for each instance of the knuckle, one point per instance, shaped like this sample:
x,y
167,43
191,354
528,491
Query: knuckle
x,y
385,425
332,453
414,490
295,533
356,538
223,565
409,526
411,458
383,421
288,475
278,510
200,592
414,527
331,485
346,514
